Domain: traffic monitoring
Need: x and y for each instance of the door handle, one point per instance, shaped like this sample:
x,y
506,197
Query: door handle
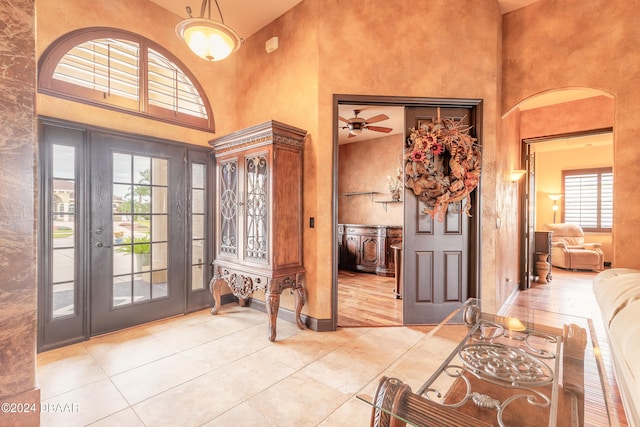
x,y
101,245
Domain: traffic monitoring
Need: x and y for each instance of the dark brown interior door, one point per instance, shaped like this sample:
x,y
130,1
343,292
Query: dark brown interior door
x,y
440,259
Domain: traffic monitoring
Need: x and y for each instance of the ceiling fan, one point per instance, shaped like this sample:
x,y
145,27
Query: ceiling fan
x,y
357,124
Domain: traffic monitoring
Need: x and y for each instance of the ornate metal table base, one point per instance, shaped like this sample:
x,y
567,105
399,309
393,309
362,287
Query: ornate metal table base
x,y
243,285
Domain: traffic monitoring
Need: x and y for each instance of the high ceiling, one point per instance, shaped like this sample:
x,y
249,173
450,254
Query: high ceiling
x,y
248,16
245,17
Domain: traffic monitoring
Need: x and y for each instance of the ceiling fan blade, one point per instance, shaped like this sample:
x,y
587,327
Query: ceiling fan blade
x,y
379,129
342,119
378,118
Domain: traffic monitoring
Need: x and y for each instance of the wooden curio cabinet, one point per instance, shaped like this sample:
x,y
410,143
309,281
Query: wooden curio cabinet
x,y
258,244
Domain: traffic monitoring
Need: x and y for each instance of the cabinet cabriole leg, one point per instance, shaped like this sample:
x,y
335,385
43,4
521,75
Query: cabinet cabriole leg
x,y
300,299
272,302
214,286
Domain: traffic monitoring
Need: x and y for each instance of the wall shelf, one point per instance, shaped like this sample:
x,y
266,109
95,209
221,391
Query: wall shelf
x,y
384,202
360,193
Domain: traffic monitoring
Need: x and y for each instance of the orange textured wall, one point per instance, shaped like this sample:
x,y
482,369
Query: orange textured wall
x,y
283,86
411,48
366,166
507,211
568,117
437,49
591,43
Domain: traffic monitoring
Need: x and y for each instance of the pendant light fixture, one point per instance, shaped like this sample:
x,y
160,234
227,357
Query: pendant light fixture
x,y
210,40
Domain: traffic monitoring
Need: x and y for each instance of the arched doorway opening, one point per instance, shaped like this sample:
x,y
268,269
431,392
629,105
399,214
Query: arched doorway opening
x,y
561,131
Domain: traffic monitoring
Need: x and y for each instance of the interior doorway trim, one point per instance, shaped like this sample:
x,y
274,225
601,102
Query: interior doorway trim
x,y
528,201
394,101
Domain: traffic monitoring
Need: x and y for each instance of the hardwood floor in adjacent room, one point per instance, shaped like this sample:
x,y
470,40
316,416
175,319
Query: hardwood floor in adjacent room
x,y
571,292
366,299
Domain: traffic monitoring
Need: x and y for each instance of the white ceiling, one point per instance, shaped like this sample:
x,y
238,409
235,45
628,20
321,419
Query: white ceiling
x,y
248,16
582,141
395,121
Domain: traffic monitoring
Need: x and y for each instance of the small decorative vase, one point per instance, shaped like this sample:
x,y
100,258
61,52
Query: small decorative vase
x,y
395,195
542,267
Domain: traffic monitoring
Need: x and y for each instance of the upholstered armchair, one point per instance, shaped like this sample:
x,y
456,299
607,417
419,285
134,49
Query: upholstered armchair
x,y
568,249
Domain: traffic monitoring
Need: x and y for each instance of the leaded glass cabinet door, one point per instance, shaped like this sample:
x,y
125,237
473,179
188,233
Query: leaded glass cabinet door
x,y
229,208
256,244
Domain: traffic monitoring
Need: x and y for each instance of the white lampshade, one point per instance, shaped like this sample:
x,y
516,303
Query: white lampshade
x,y
210,40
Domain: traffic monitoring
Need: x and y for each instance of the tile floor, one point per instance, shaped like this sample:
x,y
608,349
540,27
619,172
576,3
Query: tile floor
x,y
204,370
219,370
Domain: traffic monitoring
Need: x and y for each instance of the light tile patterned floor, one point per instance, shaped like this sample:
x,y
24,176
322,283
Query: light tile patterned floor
x,y
204,370
219,370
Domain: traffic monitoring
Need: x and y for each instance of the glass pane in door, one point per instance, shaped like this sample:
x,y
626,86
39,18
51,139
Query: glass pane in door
x,y
63,235
228,193
198,213
140,218
257,187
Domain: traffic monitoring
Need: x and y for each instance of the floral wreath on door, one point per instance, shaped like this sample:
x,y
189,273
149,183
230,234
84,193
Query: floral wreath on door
x,y
442,164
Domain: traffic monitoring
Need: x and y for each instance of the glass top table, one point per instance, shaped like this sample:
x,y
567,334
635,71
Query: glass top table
x,y
515,367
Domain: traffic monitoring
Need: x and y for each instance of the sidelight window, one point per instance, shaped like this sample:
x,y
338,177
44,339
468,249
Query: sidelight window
x,y
62,226
198,225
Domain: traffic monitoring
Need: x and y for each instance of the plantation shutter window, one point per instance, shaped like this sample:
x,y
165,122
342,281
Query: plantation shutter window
x,y
171,89
106,65
588,198
123,71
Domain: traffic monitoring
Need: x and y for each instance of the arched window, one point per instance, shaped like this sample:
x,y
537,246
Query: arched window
x,y
126,72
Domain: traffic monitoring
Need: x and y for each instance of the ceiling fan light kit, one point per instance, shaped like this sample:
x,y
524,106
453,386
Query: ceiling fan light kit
x,y
357,124
210,40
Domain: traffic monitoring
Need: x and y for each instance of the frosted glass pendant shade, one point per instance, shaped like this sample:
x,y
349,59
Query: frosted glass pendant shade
x,y
210,40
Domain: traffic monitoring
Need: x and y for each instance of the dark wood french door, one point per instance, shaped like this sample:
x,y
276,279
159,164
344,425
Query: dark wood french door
x,y
137,235
440,257
124,236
